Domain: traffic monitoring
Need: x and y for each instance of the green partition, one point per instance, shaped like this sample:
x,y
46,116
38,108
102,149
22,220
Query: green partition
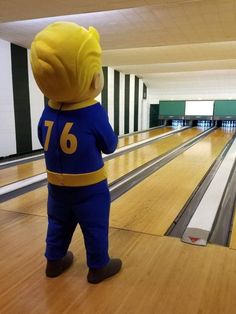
x,y
154,115
172,108
225,108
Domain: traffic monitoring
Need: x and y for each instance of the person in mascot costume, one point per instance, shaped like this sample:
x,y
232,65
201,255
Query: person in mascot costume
x,y
74,130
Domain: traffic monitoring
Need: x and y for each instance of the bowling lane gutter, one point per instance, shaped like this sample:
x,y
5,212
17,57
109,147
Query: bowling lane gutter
x,y
16,188
220,233
34,156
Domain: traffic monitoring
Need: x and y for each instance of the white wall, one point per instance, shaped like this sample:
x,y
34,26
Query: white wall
x,y
36,106
140,104
110,79
146,112
201,85
7,118
131,103
122,104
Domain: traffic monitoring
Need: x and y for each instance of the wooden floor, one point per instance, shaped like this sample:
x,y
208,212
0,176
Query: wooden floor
x,y
29,169
159,275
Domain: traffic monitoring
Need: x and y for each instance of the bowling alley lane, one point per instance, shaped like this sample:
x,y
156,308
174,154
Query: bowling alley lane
x,y
35,202
121,165
22,171
33,168
151,206
131,139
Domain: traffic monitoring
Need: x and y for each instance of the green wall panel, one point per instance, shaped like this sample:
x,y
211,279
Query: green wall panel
x,y
172,108
105,89
127,92
20,84
116,101
225,108
136,94
154,115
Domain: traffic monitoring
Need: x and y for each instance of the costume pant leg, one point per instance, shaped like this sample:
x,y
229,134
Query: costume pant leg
x,y
61,226
93,217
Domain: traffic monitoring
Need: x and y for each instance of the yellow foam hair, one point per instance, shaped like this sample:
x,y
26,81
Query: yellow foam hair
x,y
64,59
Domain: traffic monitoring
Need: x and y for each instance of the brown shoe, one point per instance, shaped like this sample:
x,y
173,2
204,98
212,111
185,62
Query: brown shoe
x,y
56,268
98,275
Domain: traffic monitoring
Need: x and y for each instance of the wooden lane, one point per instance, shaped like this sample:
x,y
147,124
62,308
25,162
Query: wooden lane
x,y
22,171
35,201
152,205
131,139
29,169
121,165
159,275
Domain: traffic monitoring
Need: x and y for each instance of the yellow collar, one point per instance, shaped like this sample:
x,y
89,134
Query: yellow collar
x,y
67,107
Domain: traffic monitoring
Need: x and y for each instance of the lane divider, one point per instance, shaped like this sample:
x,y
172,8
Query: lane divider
x,y
199,227
182,220
20,184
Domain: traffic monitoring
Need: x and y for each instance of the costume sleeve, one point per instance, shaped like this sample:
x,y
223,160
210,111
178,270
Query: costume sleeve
x,y
106,138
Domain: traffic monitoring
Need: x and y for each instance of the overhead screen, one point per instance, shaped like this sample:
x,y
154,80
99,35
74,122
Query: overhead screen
x,y
199,108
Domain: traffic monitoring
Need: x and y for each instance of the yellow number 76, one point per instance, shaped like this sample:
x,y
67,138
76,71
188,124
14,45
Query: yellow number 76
x,y
68,141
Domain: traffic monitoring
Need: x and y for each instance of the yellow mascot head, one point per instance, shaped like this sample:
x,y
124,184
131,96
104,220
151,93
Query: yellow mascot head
x,y
66,62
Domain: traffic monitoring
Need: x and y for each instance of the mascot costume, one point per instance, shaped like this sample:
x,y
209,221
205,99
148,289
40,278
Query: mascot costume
x,y
74,130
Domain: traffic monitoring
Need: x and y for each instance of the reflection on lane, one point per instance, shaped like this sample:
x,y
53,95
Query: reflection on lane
x,y
152,205
130,139
123,164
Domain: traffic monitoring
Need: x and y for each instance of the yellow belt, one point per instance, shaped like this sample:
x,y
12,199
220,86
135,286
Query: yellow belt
x,y
83,179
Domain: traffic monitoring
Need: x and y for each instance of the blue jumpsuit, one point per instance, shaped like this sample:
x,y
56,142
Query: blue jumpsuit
x,y
73,137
